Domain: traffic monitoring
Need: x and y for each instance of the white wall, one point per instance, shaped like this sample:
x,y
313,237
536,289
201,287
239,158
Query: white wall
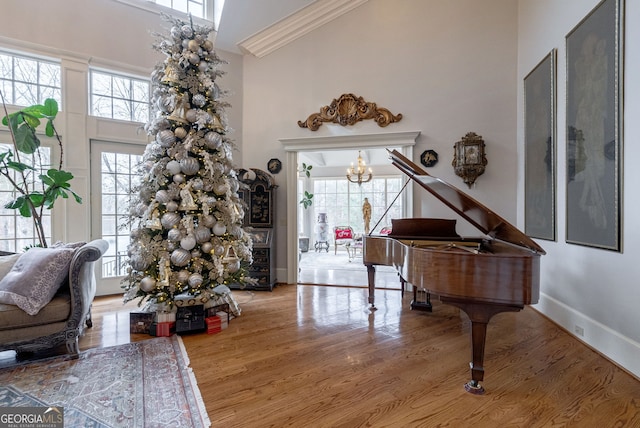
x,y
595,289
448,66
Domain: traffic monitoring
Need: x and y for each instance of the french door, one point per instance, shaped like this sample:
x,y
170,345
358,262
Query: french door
x,y
113,167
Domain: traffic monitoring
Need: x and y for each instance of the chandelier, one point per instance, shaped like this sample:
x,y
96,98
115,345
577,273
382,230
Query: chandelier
x,y
357,175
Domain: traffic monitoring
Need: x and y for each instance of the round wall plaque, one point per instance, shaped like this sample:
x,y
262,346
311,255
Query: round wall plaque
x,y
274,166
429,158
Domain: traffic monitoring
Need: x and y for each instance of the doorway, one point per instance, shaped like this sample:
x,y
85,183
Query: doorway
x,y
403,141
339,204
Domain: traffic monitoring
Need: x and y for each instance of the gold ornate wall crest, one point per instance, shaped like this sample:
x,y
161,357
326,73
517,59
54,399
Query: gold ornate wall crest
x,y
347,110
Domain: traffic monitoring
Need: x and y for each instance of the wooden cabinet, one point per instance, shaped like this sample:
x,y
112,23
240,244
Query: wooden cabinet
x,y
259,220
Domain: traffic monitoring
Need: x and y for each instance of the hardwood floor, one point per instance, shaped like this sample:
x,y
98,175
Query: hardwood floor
x,y
314,356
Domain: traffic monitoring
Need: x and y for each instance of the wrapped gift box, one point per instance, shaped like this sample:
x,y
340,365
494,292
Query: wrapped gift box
x,y
162,329
140,322
166,316
190,319
224,319
214,324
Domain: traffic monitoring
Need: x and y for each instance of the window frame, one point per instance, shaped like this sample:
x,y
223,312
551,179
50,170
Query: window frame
x,y
131,102
53,91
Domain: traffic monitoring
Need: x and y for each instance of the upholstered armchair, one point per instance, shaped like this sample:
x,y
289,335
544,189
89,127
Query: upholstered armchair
x,y
46,296
342,235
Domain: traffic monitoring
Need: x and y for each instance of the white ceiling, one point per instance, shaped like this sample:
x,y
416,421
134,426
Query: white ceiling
x,y
258,27
243,18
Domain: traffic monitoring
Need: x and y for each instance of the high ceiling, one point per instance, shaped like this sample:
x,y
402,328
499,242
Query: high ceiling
x,y
258,27
243,18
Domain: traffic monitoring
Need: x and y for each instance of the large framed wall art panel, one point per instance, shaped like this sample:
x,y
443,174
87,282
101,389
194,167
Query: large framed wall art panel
x,y
540,149
594,129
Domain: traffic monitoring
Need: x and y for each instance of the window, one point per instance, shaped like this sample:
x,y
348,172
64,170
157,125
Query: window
x,y
119,97
25,81
17,232
342,201
116,180
194,7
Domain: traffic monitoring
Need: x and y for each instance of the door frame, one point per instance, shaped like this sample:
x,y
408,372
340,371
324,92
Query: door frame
x,y
292,146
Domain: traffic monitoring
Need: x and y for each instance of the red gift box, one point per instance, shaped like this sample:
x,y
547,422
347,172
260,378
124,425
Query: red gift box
x,y
214,324
163,329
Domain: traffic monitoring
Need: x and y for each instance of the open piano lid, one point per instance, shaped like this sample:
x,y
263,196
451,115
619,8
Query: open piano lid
x,y
471,210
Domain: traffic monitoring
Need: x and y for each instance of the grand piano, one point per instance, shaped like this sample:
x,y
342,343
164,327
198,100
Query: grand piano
x,y
483,276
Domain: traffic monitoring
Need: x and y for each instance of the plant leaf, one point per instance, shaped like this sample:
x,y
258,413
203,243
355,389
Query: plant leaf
x,y
57,182
49,130
30,116
21,204
37,199
26,139
59,176
50,108
25,210
18,166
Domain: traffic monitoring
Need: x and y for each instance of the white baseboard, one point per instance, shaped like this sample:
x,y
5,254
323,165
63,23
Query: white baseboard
x,y
618,348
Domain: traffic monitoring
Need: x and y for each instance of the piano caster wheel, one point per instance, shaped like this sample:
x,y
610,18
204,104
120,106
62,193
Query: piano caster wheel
x,y
474,387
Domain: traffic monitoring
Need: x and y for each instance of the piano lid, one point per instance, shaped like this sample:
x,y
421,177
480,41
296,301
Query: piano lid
x,y
488,222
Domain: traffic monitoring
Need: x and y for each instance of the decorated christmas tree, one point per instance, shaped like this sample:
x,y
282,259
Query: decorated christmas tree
x,y
186,217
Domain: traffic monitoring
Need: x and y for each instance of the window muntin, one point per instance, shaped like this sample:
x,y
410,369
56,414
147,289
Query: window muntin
x,y
26,81
119,97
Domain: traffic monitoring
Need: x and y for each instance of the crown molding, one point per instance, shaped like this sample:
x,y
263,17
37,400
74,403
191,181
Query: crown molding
x,y
296,25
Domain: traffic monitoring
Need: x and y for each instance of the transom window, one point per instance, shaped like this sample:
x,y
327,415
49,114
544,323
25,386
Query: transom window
x,y
194,7
119,97
26,81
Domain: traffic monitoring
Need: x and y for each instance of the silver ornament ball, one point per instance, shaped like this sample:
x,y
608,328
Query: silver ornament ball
x,y
172,206
173,167
206,247
188,242
180,257
147,284
195,280
174,235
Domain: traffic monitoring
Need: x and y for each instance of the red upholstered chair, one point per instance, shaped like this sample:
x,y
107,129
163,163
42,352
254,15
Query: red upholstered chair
x,y
342,235
385,230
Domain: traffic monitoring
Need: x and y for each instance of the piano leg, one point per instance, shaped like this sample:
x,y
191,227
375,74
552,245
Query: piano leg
x,y
371,276
479,314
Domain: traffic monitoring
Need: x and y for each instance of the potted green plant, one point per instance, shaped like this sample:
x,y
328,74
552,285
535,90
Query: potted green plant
x,y
307,198
34,191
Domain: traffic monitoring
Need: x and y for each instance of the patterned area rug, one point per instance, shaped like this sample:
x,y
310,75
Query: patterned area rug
x,y
141,384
